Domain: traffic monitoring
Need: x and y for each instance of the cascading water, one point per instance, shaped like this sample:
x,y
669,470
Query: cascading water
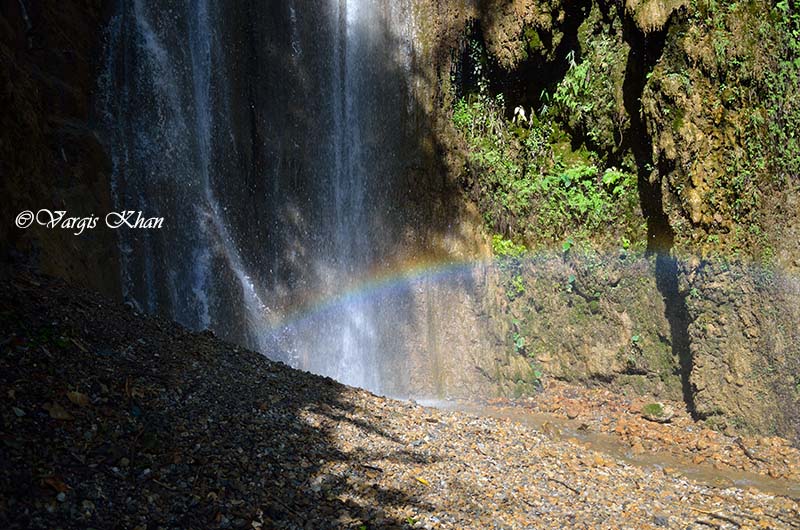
x,y
353,336
160,110
270,141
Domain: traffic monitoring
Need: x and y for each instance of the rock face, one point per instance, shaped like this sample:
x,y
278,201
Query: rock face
x,y
744,346
50,157
701,99
717,107
598,318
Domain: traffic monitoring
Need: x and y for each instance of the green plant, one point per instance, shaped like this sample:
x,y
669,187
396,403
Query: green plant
x,y
516,287
519,342
570,283
580,197
572,97
505,248
531,182
618,181
509,261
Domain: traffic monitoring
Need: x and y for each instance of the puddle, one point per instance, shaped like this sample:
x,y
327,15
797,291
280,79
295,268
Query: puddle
x,y
560,428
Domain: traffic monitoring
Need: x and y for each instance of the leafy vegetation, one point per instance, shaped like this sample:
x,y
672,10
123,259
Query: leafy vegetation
x,y
782,84
573,96
505,248
509,260
529,184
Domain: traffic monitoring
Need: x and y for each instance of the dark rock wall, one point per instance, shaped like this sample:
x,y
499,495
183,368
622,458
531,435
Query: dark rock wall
x,y
50,157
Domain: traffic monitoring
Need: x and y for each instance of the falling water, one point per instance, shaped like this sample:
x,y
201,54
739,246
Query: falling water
x,y
269,141
352,345
353,337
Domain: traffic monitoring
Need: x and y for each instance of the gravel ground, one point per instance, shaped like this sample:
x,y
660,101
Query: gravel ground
x,y
109,419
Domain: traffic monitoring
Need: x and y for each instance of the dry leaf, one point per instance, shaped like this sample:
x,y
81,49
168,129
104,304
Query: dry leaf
x,y
56,411
55,483
82,400
422,481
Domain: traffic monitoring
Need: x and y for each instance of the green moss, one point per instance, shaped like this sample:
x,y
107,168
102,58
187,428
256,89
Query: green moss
x,y
677,118
655,410
532,42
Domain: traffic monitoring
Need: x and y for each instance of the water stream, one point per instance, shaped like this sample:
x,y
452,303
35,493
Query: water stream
x,y
562,428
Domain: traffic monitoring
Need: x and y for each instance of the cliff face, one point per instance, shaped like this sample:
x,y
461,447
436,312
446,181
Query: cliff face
x,y
721,111
49,155
695,102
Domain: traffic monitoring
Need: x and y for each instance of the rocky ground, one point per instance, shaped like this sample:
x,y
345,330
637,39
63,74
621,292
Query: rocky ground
x,y
112,419
598,410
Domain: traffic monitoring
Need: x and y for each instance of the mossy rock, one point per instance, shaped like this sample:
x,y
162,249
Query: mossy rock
x,y
658,412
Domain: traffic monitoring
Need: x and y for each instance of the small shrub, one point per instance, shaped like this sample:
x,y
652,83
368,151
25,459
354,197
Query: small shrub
x,y
505,248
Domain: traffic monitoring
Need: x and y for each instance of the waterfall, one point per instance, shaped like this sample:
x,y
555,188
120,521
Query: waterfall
x,y
353,334
350,342
269,140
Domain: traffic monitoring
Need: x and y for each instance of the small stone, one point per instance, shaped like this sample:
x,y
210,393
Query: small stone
x,y
18,412
61,497
550,430
78,398
729,431
57,412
